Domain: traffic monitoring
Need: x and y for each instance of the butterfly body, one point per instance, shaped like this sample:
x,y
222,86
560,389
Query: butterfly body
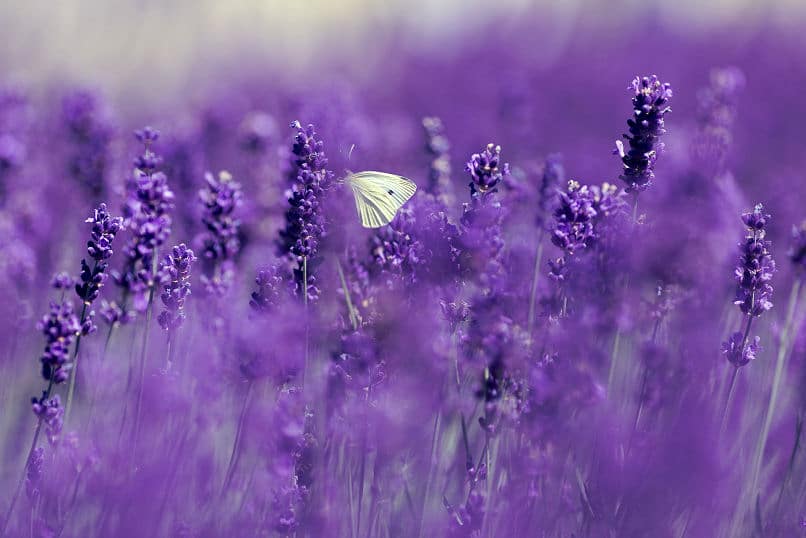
x,y
378,196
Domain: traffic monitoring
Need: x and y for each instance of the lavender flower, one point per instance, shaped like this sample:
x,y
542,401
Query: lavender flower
x,y
174,274
717,106
394,248
147,216
269,285
756,266
486,172
797,250
256,132
33,473
62,281
305,223
99,247
221,241
60,327
51,412
573,219
650,105
91,133
753,290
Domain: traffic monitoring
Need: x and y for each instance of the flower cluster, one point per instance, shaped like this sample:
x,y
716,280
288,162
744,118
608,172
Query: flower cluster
x,y
395,249
756,266
174,274
147,216
486,172
221,241
91,132
650,104
304,221
60,327
104,229
51,412
269,284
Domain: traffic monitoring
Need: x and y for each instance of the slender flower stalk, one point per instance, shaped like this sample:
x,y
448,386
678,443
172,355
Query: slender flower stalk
x,y
753,293
104,229
60,328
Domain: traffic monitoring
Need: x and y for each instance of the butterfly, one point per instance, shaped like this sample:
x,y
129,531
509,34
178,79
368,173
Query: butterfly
x,y
379,195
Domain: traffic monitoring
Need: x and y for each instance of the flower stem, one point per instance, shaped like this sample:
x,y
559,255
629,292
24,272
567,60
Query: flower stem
x,y
236,445
533,295
783,348
17,491
74,370
144,349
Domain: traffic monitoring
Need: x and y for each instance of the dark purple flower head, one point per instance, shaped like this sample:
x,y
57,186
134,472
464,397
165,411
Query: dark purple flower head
x,y
756,266
174,274
104,229
574,219
486,172
60,327
304,221
62,281
220,241
51,412
650,104
739,351
797,250
113,313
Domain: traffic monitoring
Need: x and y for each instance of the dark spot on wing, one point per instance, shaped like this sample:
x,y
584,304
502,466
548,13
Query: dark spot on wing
x,y
391,192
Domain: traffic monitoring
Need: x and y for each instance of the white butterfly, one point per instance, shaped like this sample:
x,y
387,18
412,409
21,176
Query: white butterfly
x,y
379,195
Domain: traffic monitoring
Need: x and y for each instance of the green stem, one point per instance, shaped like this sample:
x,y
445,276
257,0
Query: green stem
x,y
533,295
21,481
236,445
350,308
143,351
783,348
74,370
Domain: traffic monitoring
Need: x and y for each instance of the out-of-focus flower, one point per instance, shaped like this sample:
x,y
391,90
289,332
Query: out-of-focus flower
x,y
552,178
90,129
438,148
221,242
797,250
650,104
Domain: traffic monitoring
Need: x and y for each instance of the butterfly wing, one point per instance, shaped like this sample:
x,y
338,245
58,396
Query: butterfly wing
x,y
379,195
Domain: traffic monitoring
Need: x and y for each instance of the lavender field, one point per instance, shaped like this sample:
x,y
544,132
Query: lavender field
x,y
589,321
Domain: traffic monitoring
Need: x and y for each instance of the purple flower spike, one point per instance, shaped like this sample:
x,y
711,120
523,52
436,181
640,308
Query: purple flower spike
x,y
486,172
738,354
650,104
99,247
221,241
756,266
304,221
51,412
174,274
60,327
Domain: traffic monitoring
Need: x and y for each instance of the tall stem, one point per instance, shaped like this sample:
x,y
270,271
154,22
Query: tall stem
x,y
74,369
236,445
18,489
783,349
143,351
533,295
